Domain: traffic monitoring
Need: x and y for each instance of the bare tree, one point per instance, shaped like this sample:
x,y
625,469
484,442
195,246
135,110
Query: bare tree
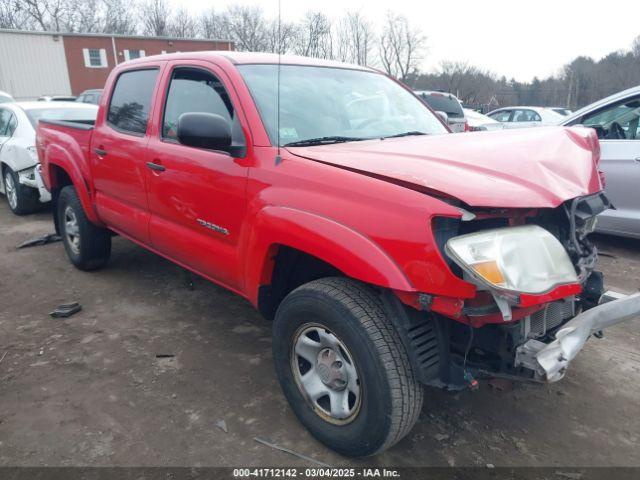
x,y
314,37
154,17
13,15
354,39
117,18
183,24
213,25
401,47
635,47
247,27
280,36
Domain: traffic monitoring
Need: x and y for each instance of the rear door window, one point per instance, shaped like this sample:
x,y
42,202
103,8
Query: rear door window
x,y
502,116
131,101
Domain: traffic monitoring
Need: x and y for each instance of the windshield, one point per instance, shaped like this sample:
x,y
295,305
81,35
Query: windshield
x,y
5,98
85,115
443,102
320,102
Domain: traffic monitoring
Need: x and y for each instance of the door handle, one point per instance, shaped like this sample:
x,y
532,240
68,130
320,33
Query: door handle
x,y
100,152
156,167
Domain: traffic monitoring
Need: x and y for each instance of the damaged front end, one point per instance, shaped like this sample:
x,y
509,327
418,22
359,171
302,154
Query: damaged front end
x,y
537,291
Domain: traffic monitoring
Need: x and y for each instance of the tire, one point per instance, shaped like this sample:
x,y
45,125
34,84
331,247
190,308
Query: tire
x,y
21,199
87,245
386,400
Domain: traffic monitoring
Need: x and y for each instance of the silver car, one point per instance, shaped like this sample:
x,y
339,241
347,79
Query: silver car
x,y
448,104
616,120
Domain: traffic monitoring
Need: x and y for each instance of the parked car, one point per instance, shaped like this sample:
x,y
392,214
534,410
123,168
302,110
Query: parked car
x,y
56,98
448,104
90,96
562,111
616,120
5,97
389,256
521,117
18,157
478,122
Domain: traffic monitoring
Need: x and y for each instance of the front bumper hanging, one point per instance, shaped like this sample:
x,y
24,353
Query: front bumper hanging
x,y
549,361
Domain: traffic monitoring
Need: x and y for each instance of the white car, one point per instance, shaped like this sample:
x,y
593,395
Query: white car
x,y
5,97
478,122
521,117
616,120
447,104
18,156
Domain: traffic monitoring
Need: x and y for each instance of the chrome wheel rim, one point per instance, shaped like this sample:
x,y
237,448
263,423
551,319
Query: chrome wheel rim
x,y
10,190
72,230
326,374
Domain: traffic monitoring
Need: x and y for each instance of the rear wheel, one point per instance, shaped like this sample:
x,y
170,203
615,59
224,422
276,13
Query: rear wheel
x,y
21,199
87,245
343,367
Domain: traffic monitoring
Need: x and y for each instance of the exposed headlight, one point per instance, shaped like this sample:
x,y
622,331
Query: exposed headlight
x,y
526,259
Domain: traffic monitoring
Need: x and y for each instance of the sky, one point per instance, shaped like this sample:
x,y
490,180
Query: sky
x,y
513,38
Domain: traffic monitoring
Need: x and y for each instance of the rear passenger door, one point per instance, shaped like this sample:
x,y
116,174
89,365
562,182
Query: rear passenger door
x,y
119,149
197,196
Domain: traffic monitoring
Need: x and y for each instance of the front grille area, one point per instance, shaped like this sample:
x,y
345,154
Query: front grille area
x,y
550,317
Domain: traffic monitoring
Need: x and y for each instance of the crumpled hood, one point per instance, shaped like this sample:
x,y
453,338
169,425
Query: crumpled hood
x,y
522,168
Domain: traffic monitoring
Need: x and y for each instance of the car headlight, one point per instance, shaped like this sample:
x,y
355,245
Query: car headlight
x,y
525,259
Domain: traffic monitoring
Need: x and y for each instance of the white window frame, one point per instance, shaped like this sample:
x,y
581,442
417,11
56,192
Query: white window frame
x,y
127,55
87,58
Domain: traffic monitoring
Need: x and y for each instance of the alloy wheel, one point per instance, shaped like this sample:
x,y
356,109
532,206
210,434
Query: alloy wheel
x,y
10,190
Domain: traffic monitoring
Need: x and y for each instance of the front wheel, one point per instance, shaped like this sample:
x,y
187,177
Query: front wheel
x,y
88,246
343,367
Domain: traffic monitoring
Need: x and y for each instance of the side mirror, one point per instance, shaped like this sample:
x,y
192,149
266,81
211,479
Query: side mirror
x,y
443,116
204,130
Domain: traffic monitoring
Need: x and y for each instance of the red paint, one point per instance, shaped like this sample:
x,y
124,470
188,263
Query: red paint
x,y
347,204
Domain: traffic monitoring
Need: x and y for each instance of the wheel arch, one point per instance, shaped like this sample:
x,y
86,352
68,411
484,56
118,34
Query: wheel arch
x,y
286,240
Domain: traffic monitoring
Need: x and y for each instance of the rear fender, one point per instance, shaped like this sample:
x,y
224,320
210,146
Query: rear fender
x,y
347,250
59,157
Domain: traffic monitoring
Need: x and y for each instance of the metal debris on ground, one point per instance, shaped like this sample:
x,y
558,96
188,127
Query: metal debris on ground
x,y
66,310
291,452
165,355
43,240
222,425
5,354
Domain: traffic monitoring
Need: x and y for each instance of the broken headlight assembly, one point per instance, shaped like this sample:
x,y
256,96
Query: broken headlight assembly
x,y
522,259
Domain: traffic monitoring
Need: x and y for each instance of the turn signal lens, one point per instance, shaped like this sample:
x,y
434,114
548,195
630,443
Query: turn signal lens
x,y
490,271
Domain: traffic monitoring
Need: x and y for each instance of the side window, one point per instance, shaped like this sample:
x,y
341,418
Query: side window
x,y
502,116
534,116
521,116
131,101
195,90
616,122
8,123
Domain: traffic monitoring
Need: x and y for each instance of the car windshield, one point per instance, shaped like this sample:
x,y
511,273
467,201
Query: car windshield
x,y
443,102
77,114
5,98
334,104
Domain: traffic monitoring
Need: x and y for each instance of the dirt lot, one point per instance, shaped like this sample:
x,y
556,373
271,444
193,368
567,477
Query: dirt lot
x,y
91,390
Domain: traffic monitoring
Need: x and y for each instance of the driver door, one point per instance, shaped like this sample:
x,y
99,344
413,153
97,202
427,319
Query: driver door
x,y
619,131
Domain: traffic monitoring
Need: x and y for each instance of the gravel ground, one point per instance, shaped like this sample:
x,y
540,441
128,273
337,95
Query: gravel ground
x,y
142,375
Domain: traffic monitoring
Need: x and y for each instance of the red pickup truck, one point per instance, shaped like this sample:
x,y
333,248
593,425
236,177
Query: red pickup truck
x,y
389,253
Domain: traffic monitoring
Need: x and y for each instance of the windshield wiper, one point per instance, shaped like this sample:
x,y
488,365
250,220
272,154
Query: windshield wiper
x,y
405,134
323,141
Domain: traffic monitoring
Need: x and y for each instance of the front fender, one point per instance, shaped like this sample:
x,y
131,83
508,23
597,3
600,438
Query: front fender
x,y
349,251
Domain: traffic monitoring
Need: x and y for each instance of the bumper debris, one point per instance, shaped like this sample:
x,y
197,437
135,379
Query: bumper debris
x,y
550,361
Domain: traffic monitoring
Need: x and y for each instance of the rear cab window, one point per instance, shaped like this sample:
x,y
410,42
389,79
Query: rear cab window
x,y
131,99
443,102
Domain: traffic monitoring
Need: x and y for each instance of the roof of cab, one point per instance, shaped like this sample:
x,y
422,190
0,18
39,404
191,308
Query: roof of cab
x,y
245,58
